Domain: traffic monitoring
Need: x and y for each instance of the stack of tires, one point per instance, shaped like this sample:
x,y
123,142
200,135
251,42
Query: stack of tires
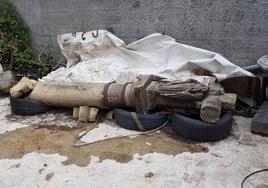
x,y
186,127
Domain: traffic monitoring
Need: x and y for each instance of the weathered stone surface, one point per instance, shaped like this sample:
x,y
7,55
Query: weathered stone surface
x,y
93,112
260,120
7,80
211,109
75,112
83,113
237,29
24,86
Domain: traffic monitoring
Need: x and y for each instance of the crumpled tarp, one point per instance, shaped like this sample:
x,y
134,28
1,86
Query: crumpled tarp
x,y
107,58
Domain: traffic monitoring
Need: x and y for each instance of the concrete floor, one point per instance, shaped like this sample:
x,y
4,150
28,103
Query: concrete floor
x,y
44,157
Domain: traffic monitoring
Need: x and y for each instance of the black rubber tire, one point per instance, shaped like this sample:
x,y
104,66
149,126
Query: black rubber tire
x,y
23,106
198,130
149,122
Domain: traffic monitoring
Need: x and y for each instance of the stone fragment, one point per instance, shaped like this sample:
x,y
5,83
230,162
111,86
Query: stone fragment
x,y
7,80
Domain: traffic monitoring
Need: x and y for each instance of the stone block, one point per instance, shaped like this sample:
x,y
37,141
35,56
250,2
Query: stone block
x,y
7,80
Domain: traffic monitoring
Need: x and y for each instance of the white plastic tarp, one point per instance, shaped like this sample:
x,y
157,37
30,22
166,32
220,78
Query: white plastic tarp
x,y
107,58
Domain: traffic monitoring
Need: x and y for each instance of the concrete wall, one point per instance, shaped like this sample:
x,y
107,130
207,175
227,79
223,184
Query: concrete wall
x,y
238,29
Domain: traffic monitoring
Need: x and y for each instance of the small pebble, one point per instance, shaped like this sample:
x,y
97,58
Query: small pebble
x,y
49,176
149,175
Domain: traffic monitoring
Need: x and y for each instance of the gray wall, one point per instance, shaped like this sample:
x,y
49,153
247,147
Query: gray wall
x,y
237,29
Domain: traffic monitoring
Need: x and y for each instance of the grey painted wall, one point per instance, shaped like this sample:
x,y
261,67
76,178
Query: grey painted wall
x,y
237,29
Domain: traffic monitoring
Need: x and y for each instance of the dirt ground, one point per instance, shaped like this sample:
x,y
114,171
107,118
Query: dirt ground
x,y
17,143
